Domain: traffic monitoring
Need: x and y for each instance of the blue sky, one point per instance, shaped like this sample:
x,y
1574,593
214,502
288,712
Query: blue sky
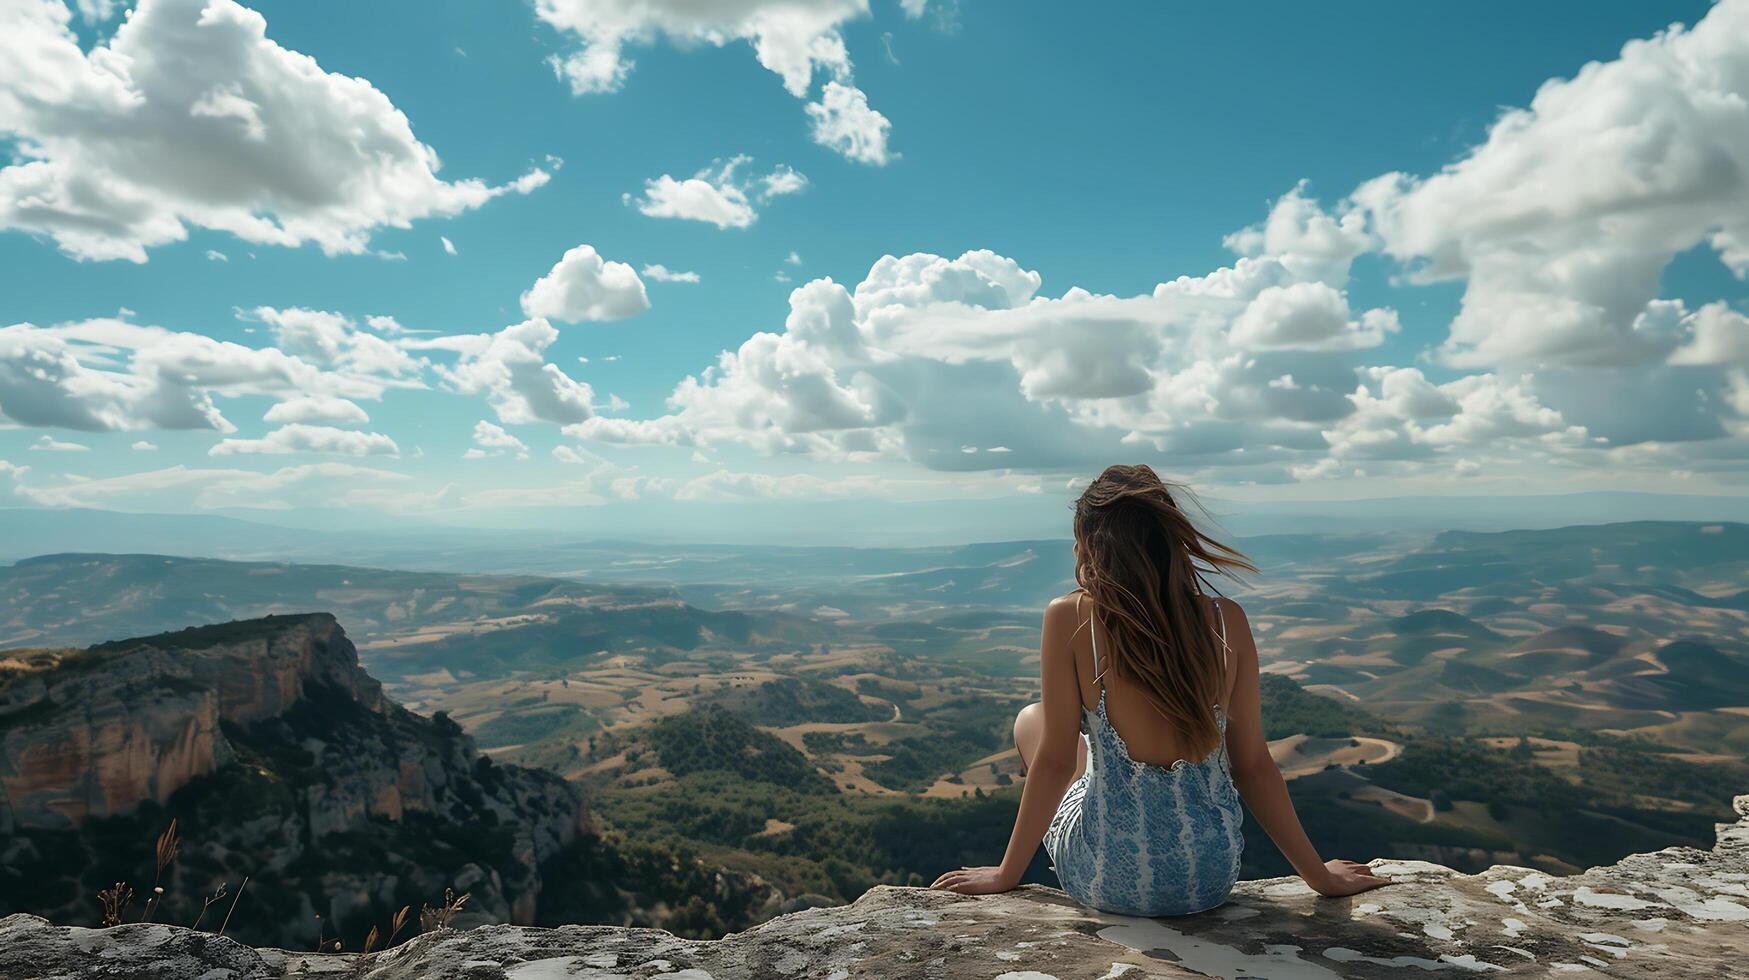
x,y
1561,310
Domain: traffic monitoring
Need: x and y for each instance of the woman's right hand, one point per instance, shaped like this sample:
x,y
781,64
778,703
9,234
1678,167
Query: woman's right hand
x,y
1347,878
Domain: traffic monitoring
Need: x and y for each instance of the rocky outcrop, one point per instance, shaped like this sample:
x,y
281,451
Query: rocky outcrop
x,y
281,759
95,732
1678,913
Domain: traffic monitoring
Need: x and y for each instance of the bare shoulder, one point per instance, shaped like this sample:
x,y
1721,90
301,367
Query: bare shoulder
x,y
1066,604
1231,612
1063,617
1236,626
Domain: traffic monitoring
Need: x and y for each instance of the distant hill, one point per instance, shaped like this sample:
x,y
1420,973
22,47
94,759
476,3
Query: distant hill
x,y
1503,564
406,622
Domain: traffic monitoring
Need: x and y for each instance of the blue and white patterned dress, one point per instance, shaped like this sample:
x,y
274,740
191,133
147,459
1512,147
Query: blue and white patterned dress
x,y
1140,839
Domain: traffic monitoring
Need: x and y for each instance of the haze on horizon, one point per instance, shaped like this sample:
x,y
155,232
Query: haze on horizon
x,y
843,271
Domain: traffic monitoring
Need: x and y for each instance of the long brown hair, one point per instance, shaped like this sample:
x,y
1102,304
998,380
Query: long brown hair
x,y
1145,566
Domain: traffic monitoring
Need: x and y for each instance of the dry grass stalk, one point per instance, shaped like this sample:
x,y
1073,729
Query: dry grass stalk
x,y
399,923
209,902
115,901
233,907
370,940
433,919
168,845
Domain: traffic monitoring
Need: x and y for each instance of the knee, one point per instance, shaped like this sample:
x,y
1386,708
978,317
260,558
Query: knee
x,y
1032,714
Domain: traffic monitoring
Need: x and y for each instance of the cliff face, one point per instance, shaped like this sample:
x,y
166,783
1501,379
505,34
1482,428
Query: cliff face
x,y
280,758
1677,913
93,733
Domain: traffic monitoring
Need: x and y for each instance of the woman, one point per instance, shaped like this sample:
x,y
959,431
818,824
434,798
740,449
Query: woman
x,y
1142,816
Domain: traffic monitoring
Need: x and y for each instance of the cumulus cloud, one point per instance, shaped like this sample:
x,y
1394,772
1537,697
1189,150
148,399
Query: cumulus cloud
x,y
793,38
719,195
1561,223
1308,316
319,439
511,370
1251,360
112,374
1401,415
332,341
189,115
66,377
1717,335
448,246
1259,368
843,121
319,409
491,440
585,286
661,273
49,444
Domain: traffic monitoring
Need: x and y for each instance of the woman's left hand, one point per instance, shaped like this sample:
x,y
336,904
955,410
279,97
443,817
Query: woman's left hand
x,y
975,881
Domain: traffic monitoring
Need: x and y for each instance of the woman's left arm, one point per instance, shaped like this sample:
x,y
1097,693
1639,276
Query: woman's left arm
x,y
1048,776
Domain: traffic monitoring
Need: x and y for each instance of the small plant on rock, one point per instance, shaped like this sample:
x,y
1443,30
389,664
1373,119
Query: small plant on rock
x,y
114,901
208,902
399,923
433,919
168,845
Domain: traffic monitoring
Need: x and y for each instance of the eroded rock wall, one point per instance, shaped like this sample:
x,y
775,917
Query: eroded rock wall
x,y
282,760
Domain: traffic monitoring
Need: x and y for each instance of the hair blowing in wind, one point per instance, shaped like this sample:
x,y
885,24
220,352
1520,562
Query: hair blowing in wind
x,y
1144,564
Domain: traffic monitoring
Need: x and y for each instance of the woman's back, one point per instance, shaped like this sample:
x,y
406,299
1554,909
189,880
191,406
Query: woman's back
x,y
1139,836
1151,737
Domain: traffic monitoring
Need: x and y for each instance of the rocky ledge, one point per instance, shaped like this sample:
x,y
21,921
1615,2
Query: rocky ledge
x,y
1679,912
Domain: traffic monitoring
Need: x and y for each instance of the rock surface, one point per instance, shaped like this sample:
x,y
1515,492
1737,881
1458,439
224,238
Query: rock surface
x,y
1676,913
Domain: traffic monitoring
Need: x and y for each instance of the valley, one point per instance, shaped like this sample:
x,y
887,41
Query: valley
x,y
798,715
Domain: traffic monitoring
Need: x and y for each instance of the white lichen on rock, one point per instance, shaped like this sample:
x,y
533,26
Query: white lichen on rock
x,y
1679,912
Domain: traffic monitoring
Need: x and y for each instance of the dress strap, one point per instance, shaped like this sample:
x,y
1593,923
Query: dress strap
x,y
1226,652
1093,635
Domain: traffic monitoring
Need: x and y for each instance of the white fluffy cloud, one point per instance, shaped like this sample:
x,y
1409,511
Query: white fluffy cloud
x,y
1562,222
319,439
1308,316
511,370
657,272
189,115
1401,415
113,374
1258,367
491,440
49,444
585,286
1717,335
793,38
319,409
334,342
843,121
718,195
1253,359
67,376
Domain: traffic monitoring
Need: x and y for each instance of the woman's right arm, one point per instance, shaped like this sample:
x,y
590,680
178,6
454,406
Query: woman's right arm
x,y
1259,779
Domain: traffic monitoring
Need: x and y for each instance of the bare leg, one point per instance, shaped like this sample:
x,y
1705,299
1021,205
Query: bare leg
x,y
1029,731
